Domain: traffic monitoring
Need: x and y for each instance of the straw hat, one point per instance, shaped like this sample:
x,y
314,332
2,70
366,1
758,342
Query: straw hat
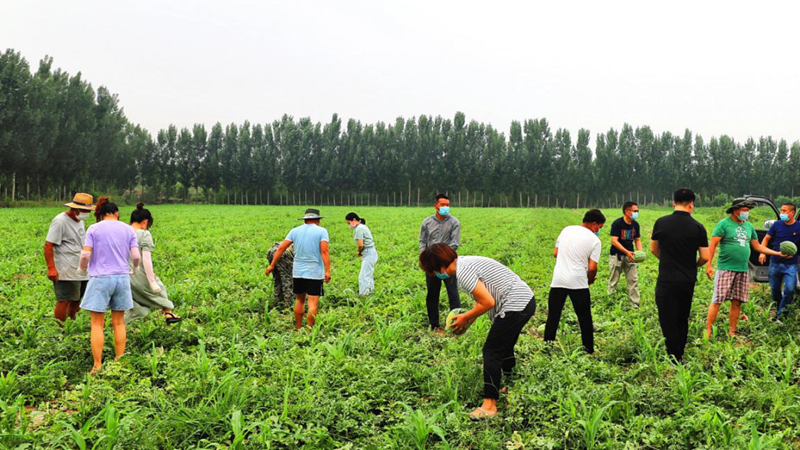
x,y
82,201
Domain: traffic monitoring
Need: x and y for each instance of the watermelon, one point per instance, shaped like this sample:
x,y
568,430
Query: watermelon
x,y
451,317
788,248
639,256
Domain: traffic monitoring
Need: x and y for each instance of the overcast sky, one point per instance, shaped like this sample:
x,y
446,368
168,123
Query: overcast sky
x,y
713,67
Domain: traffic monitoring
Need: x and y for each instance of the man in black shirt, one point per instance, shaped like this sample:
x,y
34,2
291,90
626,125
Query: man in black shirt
x,y
677,240
625,237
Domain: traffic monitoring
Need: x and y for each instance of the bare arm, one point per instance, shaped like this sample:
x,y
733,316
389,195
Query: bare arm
x,y
704,256
655,249
712,248
483,302
615,242
639,244
555,252
326,259
278,253
147,263
52,272
763,249
592,273
136,258
360,243
762,258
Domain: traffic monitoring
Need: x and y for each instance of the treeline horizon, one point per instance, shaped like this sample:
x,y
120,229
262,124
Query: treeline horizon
x,y
59,135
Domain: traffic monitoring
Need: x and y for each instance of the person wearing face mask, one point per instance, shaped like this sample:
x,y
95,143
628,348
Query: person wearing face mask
x,y
440,228
146,288
502,294
62,253
735,237
366,251
625,239
782,271
681,245
577,254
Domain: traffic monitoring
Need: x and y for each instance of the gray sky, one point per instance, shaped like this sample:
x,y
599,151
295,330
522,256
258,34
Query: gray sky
x,y
713,67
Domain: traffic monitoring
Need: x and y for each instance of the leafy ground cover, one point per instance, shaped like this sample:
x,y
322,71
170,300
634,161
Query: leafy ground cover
x,y
235,374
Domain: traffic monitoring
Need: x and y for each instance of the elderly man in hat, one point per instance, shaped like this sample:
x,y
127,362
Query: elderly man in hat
x,y
735,237
62,253
312,264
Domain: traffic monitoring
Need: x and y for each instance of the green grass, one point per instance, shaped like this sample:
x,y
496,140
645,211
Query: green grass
x,y
235,374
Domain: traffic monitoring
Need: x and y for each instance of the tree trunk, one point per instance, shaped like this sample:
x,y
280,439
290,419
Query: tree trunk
x,y
13,186
520,199
417,196
529,201
578,202
401,197
535,200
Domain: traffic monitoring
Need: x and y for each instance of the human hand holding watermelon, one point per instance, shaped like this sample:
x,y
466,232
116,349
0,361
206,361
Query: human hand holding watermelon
x,y
457,322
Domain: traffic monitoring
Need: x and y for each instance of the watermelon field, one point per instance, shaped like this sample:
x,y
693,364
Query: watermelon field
x,y
235,374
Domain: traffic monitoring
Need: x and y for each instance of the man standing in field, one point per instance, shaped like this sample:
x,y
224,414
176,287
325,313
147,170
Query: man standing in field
x,y
440,228
312,264
625,239
681,245
62,253
734,236
782,271
577,254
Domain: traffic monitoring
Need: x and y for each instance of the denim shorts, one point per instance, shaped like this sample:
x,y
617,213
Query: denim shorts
x,y
108,292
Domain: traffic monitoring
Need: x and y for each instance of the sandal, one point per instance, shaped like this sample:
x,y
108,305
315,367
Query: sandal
x,y
172,318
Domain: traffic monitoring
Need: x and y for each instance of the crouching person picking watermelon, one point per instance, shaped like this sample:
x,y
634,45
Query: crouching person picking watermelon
x,y
496,290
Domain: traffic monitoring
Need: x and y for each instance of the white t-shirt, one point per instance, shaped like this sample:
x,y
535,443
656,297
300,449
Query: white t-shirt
x,y
576,245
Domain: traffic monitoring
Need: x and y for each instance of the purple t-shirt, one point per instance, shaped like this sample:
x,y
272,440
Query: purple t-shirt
x,y
111,242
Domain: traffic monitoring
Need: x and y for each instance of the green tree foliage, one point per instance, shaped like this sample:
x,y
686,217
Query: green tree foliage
x,y
58,134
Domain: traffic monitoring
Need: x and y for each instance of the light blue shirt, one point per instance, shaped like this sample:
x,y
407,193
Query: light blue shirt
x,y
362,232
307,256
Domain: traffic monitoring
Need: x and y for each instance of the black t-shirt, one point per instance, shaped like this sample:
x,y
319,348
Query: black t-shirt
x,y
627,234
679,237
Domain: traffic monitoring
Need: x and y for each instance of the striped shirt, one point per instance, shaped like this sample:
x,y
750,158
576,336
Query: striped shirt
x,y
509,291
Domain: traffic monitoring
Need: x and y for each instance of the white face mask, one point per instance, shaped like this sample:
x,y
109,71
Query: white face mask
x,y
84,215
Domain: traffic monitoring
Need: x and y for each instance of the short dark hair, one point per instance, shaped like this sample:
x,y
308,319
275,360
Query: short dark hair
x,y
683,196
354,216
791,205
628,205
436,256
594,216
441,196
140,214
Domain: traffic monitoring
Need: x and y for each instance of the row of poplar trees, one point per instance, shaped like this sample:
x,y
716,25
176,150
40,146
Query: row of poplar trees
x,y
59,135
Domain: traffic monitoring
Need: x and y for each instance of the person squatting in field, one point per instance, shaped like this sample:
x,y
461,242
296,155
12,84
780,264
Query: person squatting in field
x,y
62,254
108,246
681,245
147,289
782,271
312,264
626,238
577,253
366,251
282,276
497,290
735,236
440,228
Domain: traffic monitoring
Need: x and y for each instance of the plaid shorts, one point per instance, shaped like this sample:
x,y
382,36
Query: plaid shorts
x,y
730,285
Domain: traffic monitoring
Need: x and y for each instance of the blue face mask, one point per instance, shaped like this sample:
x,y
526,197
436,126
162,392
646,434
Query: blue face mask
x,y
442,276
744,215
597,233
785,217
635,215
444,210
